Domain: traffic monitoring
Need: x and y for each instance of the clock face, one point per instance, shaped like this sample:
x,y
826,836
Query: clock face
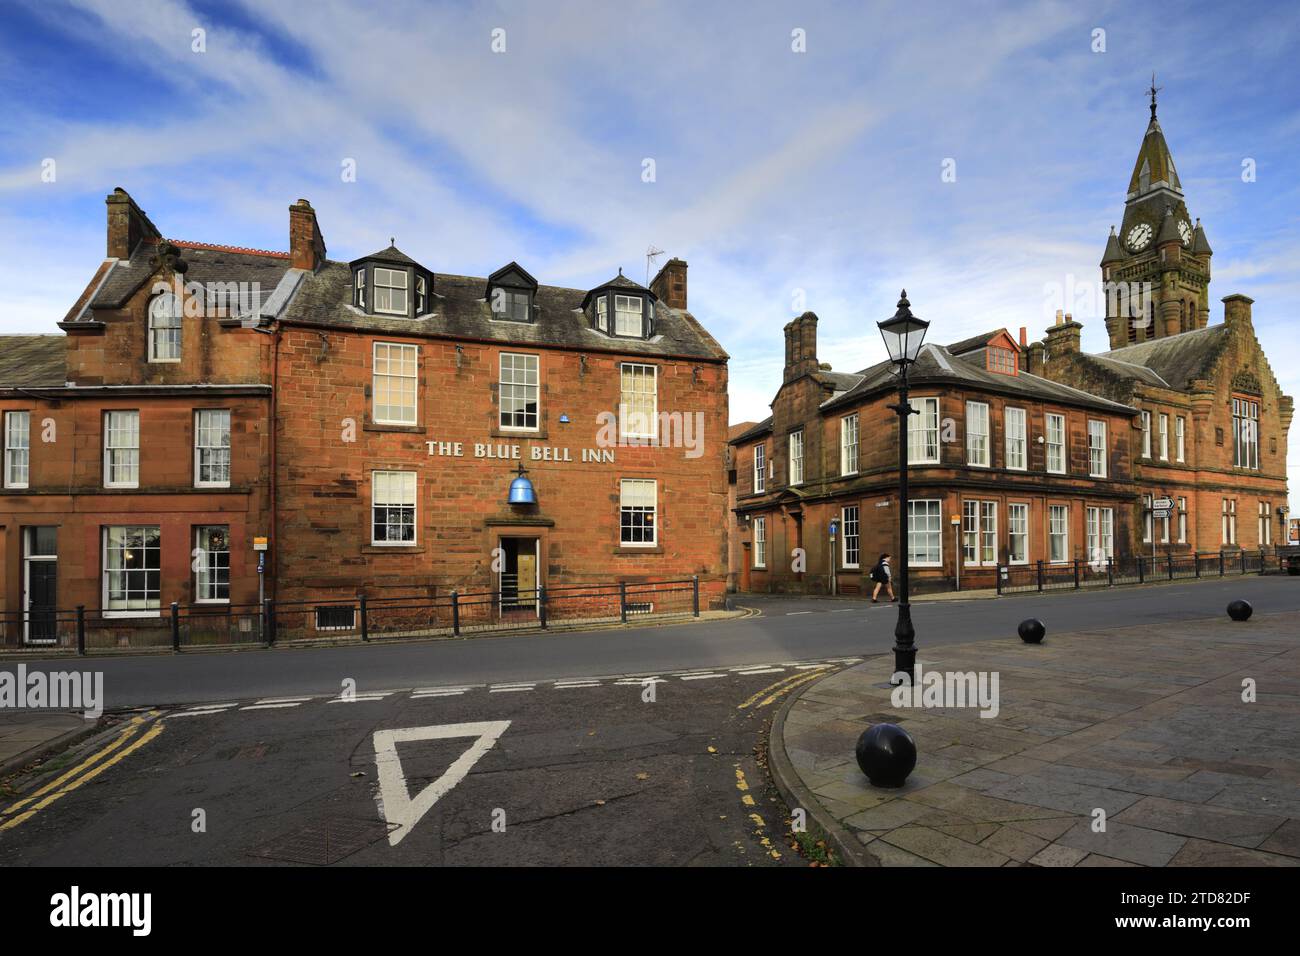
x,y
1185,230
1139,236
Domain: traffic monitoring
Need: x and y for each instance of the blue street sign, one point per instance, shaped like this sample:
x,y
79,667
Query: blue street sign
x,y
834,527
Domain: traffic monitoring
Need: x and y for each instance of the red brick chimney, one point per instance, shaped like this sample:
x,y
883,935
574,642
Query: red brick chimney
x,y
127,225
306,244
670,284
801,346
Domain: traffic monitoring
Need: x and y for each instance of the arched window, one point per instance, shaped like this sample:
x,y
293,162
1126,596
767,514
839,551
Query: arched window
x,y
165,329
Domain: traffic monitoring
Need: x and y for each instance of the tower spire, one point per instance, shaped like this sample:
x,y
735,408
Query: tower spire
x,y
1153,91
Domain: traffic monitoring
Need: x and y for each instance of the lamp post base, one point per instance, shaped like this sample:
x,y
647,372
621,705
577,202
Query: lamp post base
x,y
904,645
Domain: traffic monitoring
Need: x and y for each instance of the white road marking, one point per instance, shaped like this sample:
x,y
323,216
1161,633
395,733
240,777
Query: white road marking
x,y
269,706
438,690
793,613
420,695
284,700
196,713
761,670
568,685
810,667
641,681
396,804
846,610
701,676
510,688
358,697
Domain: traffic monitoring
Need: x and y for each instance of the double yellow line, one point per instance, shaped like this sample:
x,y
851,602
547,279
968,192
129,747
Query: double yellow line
x,y
772,692
111,753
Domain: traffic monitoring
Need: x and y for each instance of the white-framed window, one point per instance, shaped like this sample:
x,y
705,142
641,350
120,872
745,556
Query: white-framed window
x,y
923,432
1245,433
395,383
639,401
1146,434
122,449
212,448
1096,448
1101,535
979,532
1228,521
977,435
390,290
925,532
132,561
796,458
212,564
1182,520
18,449
851,550
392,507
1265,537
1162,434
1058,533
1017,440
1055,443
760,542
849,445
421,295
637,500
519,394
359,288
1180,438
760,469
165,328
602,313
1018,533
628,315
1164,528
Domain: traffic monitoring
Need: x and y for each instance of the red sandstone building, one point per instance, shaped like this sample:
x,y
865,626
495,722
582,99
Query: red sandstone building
x,y
361,421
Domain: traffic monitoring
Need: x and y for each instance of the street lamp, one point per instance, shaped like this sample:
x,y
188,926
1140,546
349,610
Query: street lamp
x,y
903,335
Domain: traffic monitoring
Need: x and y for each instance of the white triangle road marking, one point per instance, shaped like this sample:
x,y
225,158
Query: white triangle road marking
x,y
398,806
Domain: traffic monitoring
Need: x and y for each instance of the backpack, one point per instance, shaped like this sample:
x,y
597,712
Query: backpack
x,y
878,573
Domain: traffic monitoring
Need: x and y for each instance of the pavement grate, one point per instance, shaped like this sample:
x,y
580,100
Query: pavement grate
x,y
324,841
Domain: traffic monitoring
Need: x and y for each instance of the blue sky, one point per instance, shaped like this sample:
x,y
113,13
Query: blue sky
x,y
775,171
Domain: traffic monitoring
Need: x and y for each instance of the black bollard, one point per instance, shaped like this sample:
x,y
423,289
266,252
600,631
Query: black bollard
x,y
887,754
1032,631
1240,610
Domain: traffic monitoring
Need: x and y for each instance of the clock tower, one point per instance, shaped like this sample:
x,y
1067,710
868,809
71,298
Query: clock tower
x,y
1156,269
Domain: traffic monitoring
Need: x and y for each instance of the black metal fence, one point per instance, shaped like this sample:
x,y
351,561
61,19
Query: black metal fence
x,y
362,618
1137,569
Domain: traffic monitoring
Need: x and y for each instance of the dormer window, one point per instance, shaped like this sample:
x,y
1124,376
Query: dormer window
x,y
512,305
390,291
602,314
421,295
165,329
628,315
1003,361
359,289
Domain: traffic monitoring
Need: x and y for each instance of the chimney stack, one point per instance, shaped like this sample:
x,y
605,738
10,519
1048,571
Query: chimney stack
x,y
127,225
1024,337
1236,309
306,244
801,346
670,284
1064,336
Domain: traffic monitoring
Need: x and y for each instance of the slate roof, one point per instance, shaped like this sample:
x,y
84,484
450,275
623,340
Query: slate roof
x,y
937,364
391,254
460,310
1177,359
33,361
972,343
208,263
762,428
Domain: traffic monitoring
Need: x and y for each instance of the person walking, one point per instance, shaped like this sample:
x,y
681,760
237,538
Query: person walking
x,y
883,577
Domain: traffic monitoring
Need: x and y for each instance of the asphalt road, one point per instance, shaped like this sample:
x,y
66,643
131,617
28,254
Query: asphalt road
x,y
799,629
590,773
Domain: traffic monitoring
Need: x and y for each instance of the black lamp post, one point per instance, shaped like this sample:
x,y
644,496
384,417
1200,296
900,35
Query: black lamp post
x,y
903,335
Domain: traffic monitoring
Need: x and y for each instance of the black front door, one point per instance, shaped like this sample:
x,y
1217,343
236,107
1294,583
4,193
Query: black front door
x,y
42,573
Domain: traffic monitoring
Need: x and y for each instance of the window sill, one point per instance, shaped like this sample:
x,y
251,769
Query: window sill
x,y
624,550
121,615
371,426
413,548
540,433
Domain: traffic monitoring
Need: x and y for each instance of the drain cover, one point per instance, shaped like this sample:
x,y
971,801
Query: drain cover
x,y
324,841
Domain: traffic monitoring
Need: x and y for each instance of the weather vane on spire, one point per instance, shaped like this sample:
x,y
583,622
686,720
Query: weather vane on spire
x,y
1153,91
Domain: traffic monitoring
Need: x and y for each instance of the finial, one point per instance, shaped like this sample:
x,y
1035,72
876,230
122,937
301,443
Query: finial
x,y
1112,229
620,271
1153,91
521,470
904,307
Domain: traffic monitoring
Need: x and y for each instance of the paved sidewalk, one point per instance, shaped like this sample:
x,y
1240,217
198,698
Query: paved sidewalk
x,y
24,734
1146,723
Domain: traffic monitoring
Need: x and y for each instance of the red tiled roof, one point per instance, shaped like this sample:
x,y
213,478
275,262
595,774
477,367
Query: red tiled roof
x,y
183,244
